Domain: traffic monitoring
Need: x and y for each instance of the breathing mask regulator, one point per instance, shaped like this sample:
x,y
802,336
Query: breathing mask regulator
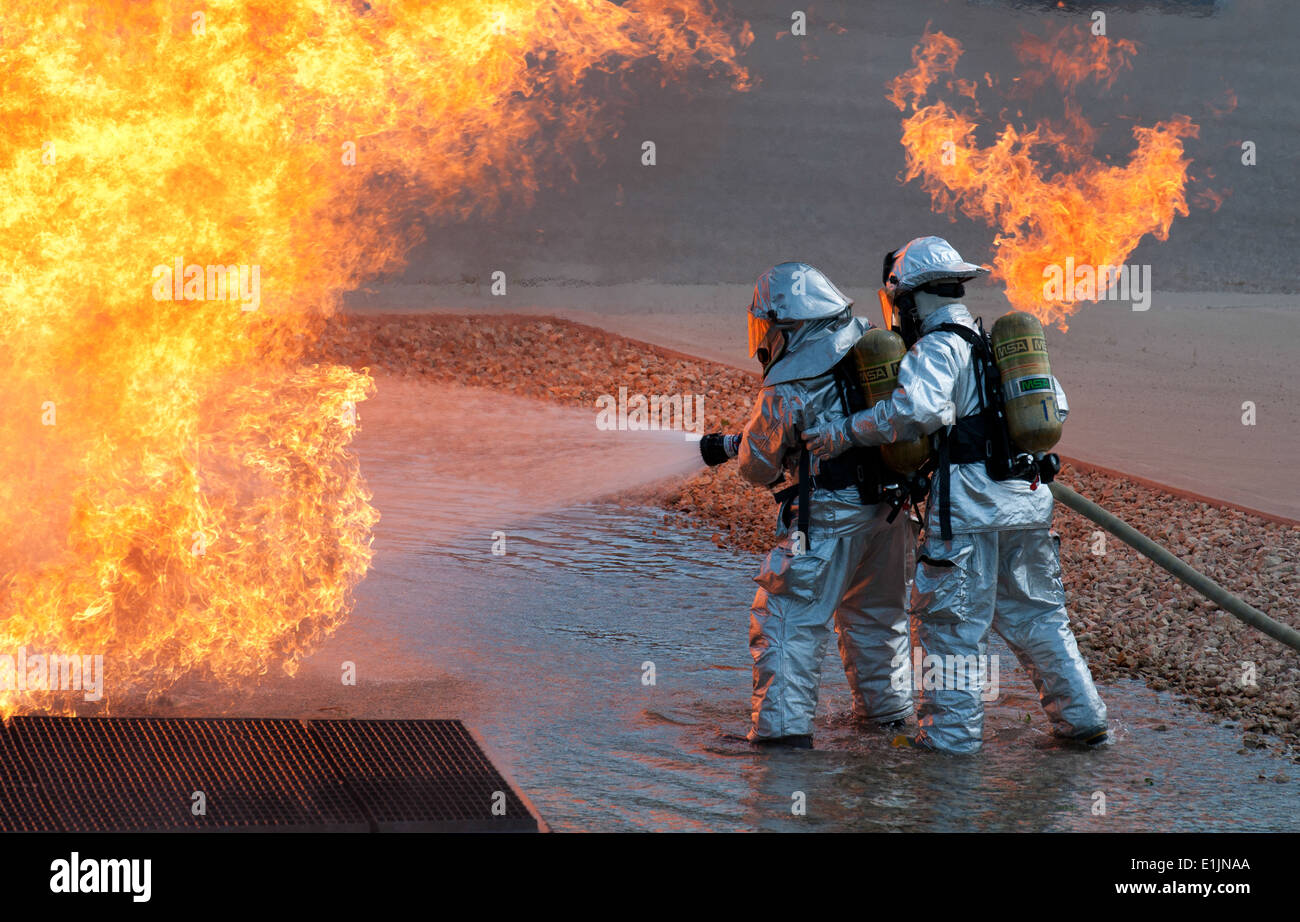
x,y
768,336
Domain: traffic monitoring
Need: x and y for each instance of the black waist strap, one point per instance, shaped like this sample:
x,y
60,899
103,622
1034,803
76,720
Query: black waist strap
x,y
857,467
854,468
968,441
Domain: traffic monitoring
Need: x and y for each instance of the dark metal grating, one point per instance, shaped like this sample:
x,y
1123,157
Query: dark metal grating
x,y
22,808
138,774
389,765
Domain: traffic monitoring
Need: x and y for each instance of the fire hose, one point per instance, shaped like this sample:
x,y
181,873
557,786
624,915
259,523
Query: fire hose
x,y
717,449
1180,570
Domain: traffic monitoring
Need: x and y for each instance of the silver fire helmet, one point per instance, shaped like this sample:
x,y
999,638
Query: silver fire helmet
x,y
925,260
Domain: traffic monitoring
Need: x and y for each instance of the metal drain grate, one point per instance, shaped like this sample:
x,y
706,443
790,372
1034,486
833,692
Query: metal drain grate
x,y
412,772
134,774
22,808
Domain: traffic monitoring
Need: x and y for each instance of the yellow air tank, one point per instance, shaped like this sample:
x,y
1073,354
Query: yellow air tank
x,y
875,359
1020,350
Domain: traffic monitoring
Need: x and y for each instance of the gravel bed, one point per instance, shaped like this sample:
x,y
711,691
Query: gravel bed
x,y
1132,618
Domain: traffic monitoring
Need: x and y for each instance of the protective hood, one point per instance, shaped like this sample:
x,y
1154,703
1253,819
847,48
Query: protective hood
x,y
796,291
816,346
786,297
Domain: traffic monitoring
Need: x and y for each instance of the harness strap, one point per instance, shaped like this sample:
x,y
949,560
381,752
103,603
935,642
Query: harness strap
x,y
970,433
965,442
802,492
805,495
944,474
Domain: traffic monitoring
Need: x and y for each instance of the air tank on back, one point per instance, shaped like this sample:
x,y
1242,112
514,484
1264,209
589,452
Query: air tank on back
x,y
875,359
1020,350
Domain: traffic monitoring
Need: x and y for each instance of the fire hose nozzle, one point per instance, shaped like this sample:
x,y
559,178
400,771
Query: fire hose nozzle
x,y
717,448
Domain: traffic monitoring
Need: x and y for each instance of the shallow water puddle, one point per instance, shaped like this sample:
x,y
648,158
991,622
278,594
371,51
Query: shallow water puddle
x,y
547,650
550,646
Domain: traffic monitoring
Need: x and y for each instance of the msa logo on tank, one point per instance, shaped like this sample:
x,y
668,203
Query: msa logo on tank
x,y
880,374
1032,344
1022,386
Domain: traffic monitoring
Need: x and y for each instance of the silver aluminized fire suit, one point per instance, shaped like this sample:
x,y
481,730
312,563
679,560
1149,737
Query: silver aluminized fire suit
x,y
853,572
1000,570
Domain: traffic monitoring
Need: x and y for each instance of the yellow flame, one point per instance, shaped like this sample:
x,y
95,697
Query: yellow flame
x,y
1089,212
178,490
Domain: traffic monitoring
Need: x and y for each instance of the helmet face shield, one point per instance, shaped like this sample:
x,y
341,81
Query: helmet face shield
x,y
759,328
886,308
767,339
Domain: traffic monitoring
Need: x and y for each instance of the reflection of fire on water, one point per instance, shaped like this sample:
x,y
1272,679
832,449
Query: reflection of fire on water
x,y
179,493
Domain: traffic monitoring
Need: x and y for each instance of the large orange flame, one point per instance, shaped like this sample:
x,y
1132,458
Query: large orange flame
x,y
178,491
1049,198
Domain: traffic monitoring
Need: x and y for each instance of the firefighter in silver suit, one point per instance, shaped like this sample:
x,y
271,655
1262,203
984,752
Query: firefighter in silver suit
x,y
989,559
849,570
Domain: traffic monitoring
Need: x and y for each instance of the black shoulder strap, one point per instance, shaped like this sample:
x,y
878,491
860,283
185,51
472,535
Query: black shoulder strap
x,y
974,337
981,355
846,383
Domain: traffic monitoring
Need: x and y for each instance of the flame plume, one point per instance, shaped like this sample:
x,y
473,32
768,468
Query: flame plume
x,y
179,494
1085,209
